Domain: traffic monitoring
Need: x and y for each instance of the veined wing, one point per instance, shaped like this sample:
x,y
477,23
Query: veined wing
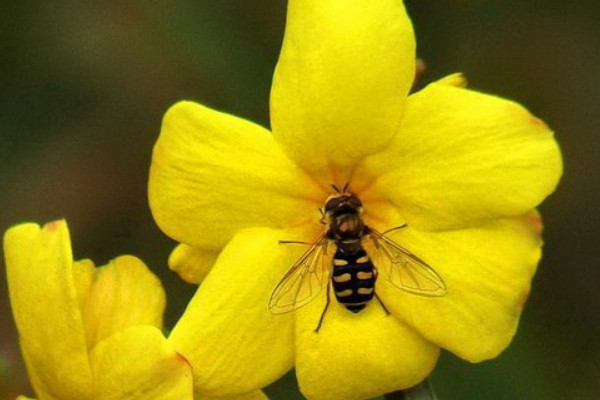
x,y
404,269
304,281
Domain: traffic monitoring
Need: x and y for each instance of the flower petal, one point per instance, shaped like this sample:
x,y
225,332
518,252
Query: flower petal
x,y
457,80
341,81
487,271
139,363
357,356
233,342
461,158
213,174
256,395
84,273
192,264
123,293
45,307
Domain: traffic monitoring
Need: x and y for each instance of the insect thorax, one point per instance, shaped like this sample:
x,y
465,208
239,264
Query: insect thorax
x,y
346,225
347,230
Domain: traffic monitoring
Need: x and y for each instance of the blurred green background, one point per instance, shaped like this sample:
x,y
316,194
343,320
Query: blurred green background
x,y
85,84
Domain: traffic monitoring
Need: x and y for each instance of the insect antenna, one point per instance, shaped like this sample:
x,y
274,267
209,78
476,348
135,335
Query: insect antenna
x,y
335,188
345,187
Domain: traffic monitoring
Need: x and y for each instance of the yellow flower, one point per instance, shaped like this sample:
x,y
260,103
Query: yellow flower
x,y
464,170
86,332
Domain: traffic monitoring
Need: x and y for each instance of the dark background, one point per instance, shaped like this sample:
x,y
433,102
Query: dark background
x,y
84,85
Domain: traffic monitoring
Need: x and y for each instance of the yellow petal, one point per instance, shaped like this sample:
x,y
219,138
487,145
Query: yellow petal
x,y
235,345
139,363
25,398
84,273
457,80
461,158
341,81
213,174
46,310
357,356
192,264
256,395
487,271
123,293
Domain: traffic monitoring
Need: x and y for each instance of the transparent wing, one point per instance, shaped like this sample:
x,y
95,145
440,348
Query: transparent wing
x,y
404,269
305,279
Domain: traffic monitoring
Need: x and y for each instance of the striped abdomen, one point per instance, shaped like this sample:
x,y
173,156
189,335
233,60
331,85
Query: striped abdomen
x,y
353,279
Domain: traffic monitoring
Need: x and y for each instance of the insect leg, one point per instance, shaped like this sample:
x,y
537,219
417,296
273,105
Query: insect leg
x,y
324,310
293,242
382,305
322,219
394,229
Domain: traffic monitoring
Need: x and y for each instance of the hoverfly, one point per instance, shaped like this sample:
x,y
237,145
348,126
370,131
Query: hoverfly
x,y
351,270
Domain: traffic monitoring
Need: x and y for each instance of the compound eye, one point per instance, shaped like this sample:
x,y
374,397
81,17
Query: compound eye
x,y
332,203
354,201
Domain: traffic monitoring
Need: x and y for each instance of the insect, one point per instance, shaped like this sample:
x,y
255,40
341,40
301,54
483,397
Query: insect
x,y
352,271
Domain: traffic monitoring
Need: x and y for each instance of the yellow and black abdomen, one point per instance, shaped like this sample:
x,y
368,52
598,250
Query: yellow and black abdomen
x,y
353,279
